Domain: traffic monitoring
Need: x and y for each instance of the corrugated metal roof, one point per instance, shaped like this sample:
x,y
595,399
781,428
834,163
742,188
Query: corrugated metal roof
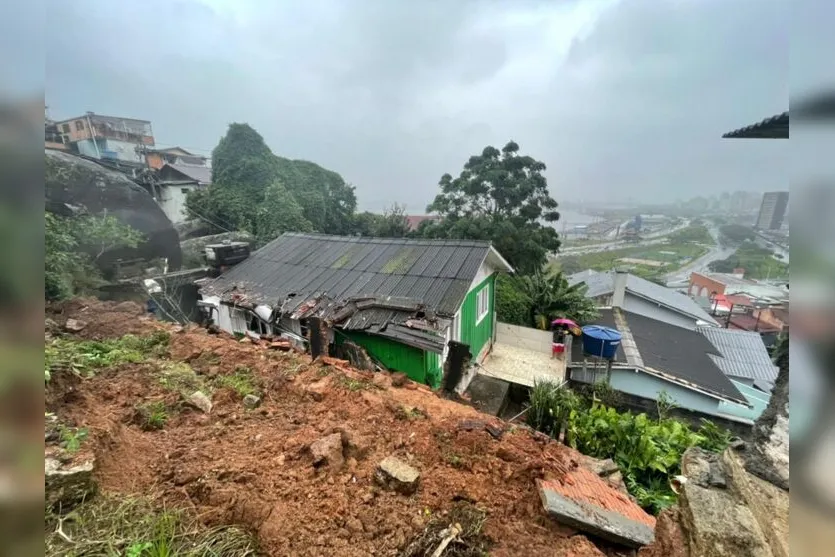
x,y
202,174
437,273
742,353
776,127
601,284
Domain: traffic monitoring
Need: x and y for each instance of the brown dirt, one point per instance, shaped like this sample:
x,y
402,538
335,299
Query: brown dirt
x,y
254,468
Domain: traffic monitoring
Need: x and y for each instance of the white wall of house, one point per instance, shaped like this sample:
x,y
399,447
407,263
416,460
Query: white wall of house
x,y
172,201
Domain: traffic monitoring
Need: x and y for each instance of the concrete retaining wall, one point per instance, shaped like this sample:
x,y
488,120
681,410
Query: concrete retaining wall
x,y
524,337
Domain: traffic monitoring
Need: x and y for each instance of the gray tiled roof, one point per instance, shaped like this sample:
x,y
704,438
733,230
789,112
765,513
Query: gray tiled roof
x,y
202,174
743,353
676,351
600,284
437,273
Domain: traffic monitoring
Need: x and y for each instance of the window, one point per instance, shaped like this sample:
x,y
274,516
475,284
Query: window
x,y
482,304
185,191
79,125
65,128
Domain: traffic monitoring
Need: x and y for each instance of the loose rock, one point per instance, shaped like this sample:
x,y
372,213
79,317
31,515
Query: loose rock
x,y
199,400
399,379
328,451
394,474
75,325
66,487
251,401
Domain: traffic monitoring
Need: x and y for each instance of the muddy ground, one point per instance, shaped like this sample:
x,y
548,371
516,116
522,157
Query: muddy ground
x,y
253,467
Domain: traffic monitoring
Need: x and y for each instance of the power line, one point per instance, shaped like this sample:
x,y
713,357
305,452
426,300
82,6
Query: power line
x,y
198,215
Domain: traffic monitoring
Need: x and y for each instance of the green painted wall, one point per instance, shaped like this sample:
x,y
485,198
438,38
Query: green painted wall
x,y
423,367
472,333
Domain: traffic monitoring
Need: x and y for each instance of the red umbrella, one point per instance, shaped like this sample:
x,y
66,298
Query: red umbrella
x,y
563,321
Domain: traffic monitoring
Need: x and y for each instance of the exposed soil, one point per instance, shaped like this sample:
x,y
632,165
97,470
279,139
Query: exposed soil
x,y
254,468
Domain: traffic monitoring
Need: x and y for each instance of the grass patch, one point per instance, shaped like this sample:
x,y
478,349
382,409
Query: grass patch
x,y
354,384
152,416
180,377
410,413
84,357
242,381
136,527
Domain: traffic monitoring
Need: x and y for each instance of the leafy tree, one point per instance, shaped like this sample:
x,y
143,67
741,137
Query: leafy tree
x,y
73,245
551,296
256,191
279,213
735,234
512,304
500,196
326,200
391,224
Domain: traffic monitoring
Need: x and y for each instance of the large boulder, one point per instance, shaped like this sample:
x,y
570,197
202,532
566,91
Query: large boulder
x,y
73,183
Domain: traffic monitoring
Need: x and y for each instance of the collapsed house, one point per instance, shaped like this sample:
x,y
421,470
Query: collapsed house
x,y
404,302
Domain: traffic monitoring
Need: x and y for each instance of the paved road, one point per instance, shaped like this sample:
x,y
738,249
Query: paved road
x,y
682,276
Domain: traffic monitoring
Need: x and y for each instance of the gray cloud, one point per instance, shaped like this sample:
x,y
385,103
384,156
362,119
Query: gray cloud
x,y
621,99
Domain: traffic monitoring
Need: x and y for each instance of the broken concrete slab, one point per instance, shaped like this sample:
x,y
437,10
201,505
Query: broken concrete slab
x,y
394,474
587,503
488,394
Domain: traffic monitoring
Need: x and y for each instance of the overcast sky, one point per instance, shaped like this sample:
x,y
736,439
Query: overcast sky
x,y
622,99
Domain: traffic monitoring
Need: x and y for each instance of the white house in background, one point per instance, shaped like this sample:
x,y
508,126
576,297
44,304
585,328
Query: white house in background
x,y
639,296
175,183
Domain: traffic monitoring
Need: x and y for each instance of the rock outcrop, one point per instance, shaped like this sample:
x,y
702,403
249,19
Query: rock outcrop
x,y
73,183
724,511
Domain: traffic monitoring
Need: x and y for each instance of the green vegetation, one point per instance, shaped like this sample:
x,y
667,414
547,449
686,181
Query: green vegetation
x,y
671,256
648,452
759,263
72,437
181,377
152,415
391,224
139,527
242,381
500,196
85,356
72,247
536,299
695,233
254,190
735,235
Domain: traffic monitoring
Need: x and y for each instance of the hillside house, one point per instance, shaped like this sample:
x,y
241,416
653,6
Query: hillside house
x,y
655,357
402,300
642,297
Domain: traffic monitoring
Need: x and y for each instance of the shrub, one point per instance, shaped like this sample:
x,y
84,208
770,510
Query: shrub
x,y
647,451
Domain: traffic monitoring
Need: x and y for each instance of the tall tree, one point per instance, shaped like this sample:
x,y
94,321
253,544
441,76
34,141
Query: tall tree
x,y
246,191
503,197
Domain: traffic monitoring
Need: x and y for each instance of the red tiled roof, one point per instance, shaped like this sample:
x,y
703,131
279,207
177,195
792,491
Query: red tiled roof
x,y
583,485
